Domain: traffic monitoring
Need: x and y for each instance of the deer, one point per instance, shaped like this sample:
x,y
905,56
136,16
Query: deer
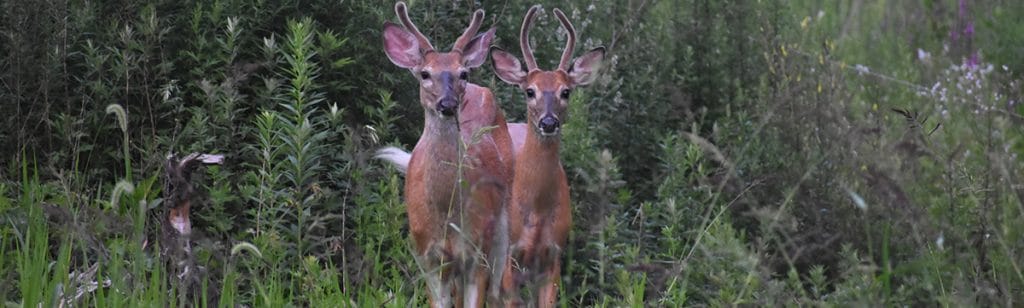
x,y
459,173
539,215
176,236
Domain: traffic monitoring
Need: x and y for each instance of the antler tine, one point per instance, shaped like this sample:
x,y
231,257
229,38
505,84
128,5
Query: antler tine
x,y
570,42
474,26
524,38
403,15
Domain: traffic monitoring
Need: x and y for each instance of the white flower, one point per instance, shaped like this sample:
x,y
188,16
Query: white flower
x,y
988,69
862,69
858,201
923,55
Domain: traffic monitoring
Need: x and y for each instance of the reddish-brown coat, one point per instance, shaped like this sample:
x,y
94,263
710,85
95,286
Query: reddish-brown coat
x,y
434,167
540,215
457,175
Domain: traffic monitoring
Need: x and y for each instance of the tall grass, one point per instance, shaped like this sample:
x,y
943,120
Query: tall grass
x,y
732,153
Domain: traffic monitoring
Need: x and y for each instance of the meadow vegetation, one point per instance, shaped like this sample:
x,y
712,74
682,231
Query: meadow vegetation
x,y
731,153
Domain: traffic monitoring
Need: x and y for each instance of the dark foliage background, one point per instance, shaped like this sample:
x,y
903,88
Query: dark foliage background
x,y
732,152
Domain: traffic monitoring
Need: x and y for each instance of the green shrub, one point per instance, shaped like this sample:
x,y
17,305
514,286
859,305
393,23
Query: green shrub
x,y
731,153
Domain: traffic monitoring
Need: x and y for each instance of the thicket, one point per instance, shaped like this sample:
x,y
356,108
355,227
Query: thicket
x,y
732,152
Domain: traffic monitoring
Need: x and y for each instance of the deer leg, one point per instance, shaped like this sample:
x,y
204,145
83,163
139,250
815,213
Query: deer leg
x,y
473,273
548,292
548,275
498,259
530,281
489,241
474,276
512,280
431,262
475,285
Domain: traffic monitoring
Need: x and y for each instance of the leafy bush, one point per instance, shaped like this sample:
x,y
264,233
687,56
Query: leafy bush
x,y
731,153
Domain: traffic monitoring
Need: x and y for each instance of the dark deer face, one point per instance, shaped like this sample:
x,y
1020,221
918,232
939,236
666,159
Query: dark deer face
x,y
443,75
547,92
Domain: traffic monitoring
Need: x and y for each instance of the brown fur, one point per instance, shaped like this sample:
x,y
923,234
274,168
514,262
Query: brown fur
x,y
458,175
539,219
539,215
435,200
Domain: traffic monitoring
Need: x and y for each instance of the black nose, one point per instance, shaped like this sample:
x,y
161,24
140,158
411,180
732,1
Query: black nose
x,y
447,106
549,125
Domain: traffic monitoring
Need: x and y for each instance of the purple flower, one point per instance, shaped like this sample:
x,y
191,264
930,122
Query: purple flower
x,y
972,61
969,30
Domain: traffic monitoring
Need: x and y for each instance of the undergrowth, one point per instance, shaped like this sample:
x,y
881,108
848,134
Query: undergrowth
x,y
732,152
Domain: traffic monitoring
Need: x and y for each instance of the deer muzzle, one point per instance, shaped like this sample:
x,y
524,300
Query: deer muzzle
x,y
549,123
447,106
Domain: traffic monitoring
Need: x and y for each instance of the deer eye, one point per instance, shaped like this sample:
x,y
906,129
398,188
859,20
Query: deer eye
x,y
425,75
530,93
566,93
463,75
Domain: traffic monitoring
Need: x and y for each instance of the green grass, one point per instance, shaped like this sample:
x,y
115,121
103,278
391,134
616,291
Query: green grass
x,y
769,153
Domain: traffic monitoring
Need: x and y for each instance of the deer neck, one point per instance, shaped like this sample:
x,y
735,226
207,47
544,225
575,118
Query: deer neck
x,y
440,157
538,173
439,129
542,149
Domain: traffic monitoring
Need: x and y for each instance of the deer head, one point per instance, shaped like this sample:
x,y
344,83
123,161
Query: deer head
x,y
547,92
443,75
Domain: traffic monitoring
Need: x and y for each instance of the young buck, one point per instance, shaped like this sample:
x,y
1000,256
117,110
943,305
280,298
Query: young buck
x,y
456,186
539,216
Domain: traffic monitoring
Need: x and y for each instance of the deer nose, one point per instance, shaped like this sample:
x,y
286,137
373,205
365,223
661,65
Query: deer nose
x,y
447,106
549,125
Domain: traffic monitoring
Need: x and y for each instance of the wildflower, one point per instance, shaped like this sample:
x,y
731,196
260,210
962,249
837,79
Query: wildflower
x,y
972,61
988,69
862,69
858,201
334,110
923,55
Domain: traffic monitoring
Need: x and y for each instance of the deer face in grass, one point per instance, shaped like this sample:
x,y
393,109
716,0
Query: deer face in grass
x,y
443,75
547,92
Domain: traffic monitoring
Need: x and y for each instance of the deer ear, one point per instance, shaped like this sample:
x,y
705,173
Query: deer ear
x,y
507,67
584,69
475,52
401,46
